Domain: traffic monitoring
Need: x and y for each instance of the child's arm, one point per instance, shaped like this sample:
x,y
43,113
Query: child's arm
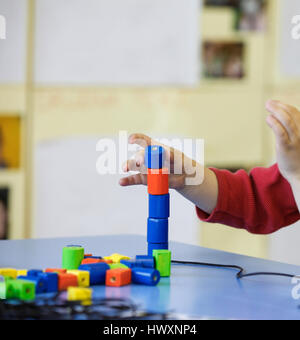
x,y
204,195
285,123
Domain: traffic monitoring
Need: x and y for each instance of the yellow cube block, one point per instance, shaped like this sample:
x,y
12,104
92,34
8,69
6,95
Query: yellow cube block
x,y
21,272
116,258
8,272
80,294
83,277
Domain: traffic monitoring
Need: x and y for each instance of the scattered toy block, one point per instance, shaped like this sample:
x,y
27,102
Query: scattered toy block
x,y
158,181
154,157
6,289
83,277
67,280
80,294
159,206
145,276
56,270
157,230
129,263
23,290
116,258
156,246
117,265
22,272
40,283
34,272
87,255
90,260
145,261
97,272
51,281
93,257
118,277
163,261
8,272
72,257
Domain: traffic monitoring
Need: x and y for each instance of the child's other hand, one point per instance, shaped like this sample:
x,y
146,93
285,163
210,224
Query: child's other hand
x,y
176,178
285,123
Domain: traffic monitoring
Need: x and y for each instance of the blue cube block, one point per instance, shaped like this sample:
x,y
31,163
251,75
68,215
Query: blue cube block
x,y
146,263
154,157
159,206
40,283
152,246
97,272
145,276
129,263
51,280
157,230
34,272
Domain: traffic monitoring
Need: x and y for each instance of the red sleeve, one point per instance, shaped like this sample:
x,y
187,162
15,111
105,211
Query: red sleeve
x,y
261,202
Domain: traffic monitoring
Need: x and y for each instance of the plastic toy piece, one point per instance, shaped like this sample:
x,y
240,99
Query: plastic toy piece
x,y
51,281
158,181
159,206
156,246
146,262
118,277
40,283
87,255
72,257
154,157
8,272
80,294
83,277
34,272
22,272
145,276
97,272
67,280
6,289
163,262
92,257
116,258
117,265
91,260
129,263
23,290
56,270
157,230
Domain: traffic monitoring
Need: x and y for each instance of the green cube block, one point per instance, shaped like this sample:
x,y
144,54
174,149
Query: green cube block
x,y
117,265
72,257
6,289
23,290
163,261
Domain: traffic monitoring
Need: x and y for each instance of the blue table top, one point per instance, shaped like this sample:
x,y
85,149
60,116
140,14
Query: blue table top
x,y
193,291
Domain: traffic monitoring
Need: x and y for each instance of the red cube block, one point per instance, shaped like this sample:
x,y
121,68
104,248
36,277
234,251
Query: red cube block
x,y
158,181
56,270
89,261
67,280
118,277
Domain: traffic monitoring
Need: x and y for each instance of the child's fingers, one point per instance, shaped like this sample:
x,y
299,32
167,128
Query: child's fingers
x,y
293,111
281,134
133,180
140,139
284,118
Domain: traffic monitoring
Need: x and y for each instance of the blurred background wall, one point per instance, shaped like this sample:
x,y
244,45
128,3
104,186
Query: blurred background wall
x,y
75,71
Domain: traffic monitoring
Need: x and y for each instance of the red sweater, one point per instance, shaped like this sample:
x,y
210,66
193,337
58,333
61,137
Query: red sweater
x,y
261,202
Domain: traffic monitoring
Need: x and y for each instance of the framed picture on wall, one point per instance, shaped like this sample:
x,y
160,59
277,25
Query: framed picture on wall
x,y
223,60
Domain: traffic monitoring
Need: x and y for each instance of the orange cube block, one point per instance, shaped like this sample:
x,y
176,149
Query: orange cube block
x,y
158,181
67,280
118,277
56,270
89,261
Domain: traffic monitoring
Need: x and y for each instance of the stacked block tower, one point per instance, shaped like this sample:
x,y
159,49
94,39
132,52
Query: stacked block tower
x,y
159,199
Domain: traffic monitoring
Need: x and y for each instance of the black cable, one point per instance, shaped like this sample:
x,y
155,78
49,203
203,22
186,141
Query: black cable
x,y
239,275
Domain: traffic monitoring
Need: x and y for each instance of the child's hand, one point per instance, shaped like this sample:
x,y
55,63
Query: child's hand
x,y
176,181
285,123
